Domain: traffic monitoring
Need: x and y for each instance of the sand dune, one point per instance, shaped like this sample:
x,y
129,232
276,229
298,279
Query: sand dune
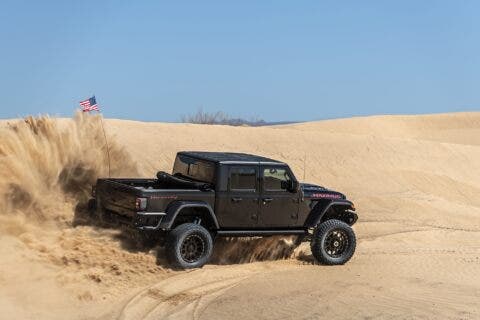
x,y
415,181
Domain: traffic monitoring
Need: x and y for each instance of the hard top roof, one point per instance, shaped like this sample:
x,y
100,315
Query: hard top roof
x,y
221,157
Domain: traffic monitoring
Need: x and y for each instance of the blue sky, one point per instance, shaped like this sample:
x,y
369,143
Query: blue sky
x,y
276,60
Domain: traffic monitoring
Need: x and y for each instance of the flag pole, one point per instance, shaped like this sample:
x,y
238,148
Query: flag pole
x,y
89,105
106,142
105,136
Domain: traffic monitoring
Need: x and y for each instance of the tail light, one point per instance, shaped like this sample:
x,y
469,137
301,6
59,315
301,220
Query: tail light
x,y
141,203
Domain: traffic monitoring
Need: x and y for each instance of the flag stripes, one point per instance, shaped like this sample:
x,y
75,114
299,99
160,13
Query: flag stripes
x,y
89,104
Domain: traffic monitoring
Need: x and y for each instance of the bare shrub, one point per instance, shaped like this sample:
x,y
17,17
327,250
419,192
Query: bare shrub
x,y
219,117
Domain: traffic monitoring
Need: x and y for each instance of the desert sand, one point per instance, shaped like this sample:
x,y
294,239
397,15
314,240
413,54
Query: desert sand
x,y
415,181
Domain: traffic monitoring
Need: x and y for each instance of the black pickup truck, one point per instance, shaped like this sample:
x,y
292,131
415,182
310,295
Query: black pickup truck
x,y
212,194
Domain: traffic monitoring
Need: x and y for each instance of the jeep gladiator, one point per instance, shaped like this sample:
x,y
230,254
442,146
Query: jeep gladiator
x,y
213,194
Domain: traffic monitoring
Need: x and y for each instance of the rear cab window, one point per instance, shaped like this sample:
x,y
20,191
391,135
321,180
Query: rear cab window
x,y
194,169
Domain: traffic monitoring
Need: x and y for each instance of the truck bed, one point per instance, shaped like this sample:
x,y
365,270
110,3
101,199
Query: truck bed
x,y
118,195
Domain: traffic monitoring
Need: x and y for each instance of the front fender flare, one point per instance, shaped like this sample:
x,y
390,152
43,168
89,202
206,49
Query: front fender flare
x,y
317,214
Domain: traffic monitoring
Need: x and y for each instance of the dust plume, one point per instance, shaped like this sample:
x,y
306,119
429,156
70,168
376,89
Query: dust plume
x,y
47,169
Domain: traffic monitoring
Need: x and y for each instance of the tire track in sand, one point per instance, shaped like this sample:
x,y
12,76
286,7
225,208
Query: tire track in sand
x,y
184,296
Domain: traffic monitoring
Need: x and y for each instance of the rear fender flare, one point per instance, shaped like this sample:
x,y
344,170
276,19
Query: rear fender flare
x,y
175,208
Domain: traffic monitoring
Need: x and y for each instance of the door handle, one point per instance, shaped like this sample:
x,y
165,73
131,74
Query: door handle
x,y
267,200
234,199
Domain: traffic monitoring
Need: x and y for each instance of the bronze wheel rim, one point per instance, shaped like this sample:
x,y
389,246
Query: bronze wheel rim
x,y
192,248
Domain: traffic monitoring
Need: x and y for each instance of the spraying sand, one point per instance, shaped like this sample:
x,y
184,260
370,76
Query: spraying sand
x,y
414,179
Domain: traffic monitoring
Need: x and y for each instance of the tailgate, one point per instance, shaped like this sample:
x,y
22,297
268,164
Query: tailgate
x,y
116,197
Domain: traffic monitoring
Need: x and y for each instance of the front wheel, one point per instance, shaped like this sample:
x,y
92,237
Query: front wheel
x,y
333,242
189,246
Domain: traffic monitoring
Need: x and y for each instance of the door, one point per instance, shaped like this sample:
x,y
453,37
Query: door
x,y
278,205
239,205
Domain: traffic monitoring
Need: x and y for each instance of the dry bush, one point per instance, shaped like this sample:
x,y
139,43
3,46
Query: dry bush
x,y
219,117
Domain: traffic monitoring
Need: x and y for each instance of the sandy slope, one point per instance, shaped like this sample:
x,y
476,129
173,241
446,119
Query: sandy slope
x,y
415,181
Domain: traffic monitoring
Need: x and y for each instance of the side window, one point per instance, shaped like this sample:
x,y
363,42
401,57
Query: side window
x,y
275,179
244,179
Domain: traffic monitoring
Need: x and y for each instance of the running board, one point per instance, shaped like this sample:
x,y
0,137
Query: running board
x,y
259,233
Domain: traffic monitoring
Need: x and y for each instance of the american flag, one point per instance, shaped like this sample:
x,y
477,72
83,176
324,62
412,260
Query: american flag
x,y
89,105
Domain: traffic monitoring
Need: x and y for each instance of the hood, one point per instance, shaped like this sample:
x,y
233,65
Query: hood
x,y
319,192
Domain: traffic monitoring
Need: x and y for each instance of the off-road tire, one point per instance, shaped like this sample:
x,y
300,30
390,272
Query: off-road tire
x,y
179,250
342,236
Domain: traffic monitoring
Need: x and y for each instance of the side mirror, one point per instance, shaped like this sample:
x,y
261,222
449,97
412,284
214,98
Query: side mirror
x,y
292,186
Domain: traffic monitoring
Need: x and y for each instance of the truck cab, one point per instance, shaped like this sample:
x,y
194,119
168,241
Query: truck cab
x,y
257,195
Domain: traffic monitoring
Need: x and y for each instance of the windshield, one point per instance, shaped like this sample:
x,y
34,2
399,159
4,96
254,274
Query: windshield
x,y
194,169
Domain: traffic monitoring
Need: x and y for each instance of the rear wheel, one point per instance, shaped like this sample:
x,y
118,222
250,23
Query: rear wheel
x,y
189,246
333,242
